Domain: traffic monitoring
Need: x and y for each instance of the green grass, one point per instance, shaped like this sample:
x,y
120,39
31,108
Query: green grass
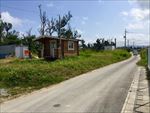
x,y
19,76
143,61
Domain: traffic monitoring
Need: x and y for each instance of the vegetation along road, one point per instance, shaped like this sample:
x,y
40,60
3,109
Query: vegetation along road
x,y
101,90
18,76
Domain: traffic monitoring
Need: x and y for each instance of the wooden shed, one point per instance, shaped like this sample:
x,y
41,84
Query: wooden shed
x,y
54,47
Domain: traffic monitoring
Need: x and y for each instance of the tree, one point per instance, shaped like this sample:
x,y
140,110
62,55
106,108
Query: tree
x,y
12,38
98,45
76,34
28,40
59,27
61,23
89,45
7,27
69,33
106,43
50,27
43,21
83,45
2,28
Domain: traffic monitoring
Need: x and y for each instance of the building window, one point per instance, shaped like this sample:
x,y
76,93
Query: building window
x,y
70,45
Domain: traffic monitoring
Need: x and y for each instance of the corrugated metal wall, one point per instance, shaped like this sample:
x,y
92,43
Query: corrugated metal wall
x,y
7,50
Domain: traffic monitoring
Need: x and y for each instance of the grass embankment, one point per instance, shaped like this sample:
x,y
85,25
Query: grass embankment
x,y
19,76
144,61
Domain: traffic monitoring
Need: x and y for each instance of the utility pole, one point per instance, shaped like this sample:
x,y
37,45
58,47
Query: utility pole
x,y
125,38
128,43
133,44
115,43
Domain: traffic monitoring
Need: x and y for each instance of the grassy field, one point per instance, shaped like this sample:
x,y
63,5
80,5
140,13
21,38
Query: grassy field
x,y
20,76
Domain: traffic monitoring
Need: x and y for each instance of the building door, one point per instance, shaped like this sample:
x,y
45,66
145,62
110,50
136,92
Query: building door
x,y
52,48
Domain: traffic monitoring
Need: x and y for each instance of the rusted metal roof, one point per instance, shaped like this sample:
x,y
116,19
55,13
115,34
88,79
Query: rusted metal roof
x,y
42,38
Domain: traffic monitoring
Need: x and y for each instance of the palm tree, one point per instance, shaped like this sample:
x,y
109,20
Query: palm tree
x,y
7,27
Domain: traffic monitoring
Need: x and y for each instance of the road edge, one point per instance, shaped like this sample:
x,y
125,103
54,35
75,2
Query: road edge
x,y
132,92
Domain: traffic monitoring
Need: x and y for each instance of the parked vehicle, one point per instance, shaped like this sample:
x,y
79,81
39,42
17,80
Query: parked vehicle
x,y
135,52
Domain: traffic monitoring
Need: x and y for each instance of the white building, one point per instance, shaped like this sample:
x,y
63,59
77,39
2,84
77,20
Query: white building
x,y
21,52
110,47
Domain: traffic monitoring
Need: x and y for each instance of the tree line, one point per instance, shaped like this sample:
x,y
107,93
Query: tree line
x,y
99,44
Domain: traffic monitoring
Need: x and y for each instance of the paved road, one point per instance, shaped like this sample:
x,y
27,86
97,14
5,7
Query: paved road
x,y
103,90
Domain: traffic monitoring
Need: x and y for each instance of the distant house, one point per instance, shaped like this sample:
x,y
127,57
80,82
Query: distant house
x,y
52,50
109,47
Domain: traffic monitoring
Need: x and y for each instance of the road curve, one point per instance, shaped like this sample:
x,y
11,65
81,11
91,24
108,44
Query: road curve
x,y
103,90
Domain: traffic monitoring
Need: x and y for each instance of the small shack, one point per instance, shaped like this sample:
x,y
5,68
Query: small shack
x,y
54,47
21,52
14,50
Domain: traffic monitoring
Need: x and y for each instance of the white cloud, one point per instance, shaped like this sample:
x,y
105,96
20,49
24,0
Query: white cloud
x,y
135,26
124,13
138,18
97,36
50,5
8,18
80,31
85,18
83,22
139,14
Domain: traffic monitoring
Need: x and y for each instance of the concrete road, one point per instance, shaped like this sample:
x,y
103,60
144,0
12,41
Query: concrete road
x,y
103,90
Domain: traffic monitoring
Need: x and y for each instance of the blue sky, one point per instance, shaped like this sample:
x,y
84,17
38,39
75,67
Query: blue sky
x,y
93,19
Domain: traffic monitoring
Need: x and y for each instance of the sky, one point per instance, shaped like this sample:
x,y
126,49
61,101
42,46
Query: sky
x,y
92,19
